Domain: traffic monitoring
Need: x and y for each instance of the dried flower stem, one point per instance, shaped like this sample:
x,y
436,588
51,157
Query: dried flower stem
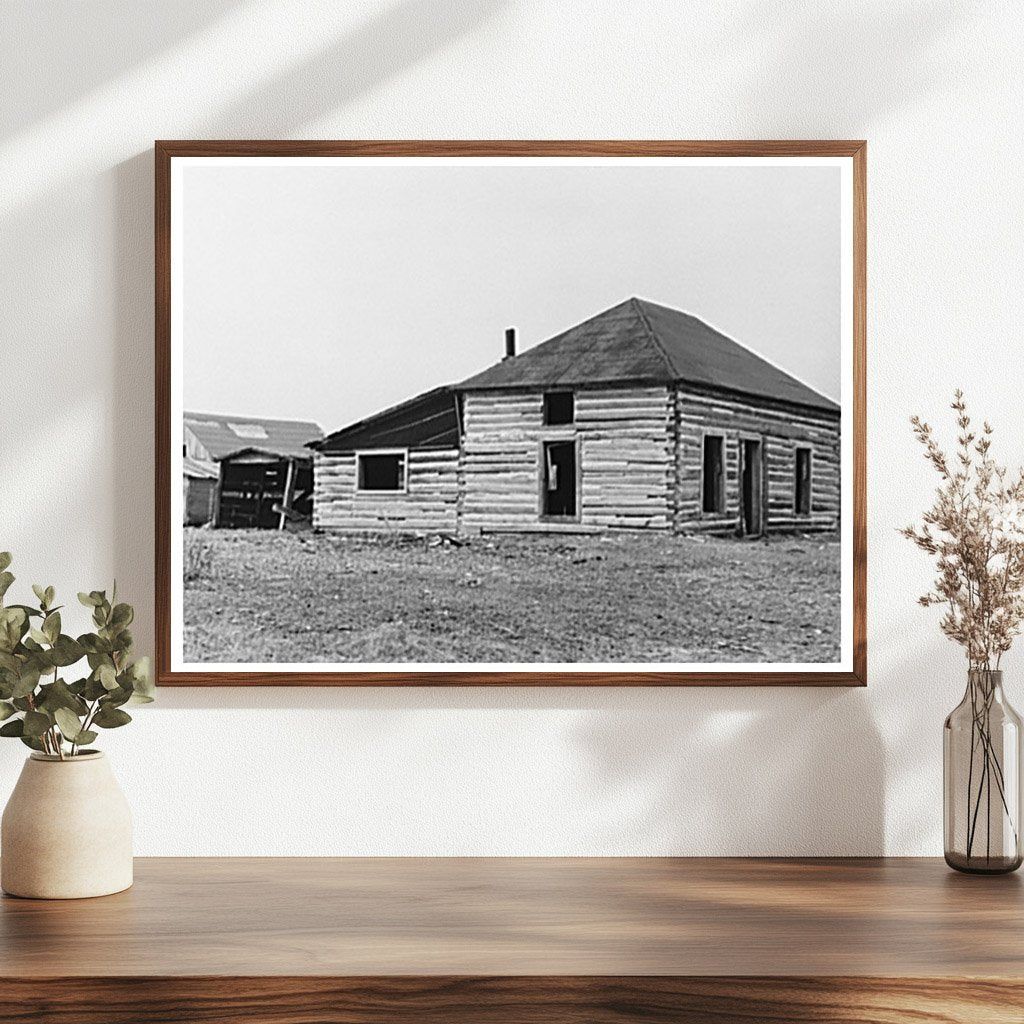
x,y
975,532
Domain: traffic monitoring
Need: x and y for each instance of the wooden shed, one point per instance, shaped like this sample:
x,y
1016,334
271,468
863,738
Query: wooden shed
x,y
642,417
199,491
264,469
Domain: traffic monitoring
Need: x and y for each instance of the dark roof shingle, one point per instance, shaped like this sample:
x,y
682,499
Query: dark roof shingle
x,y
644,342
426,421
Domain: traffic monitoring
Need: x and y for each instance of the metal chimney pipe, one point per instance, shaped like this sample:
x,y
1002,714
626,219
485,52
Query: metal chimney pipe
x,y
510,342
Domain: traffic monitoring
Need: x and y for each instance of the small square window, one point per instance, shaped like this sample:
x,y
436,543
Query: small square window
x,y
559,408
380,472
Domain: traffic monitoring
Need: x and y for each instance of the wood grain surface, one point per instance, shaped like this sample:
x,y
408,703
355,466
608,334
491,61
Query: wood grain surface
x,y
522,939
166,150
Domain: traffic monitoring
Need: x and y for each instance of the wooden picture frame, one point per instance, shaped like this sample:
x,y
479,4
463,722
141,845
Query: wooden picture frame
x,y
849,155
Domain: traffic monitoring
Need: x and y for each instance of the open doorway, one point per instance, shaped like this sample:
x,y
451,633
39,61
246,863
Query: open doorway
x,y
558,485
752,487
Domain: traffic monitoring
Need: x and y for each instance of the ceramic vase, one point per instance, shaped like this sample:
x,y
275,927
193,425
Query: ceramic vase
x,y
66,831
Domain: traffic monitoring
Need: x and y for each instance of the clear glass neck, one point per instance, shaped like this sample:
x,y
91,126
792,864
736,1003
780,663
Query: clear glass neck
x,y
985,681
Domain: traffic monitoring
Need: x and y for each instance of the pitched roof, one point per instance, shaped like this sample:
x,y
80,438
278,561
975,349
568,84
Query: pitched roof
x,y
198,470
642,341
222,436
426,421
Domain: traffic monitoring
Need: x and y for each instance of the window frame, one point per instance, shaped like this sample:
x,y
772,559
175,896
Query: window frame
x,y
546,395
797,510
721,508
402,453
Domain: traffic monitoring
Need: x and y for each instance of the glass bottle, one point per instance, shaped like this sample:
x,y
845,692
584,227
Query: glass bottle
x,y
981,772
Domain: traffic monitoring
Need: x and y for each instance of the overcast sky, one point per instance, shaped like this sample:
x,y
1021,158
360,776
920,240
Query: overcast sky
x,y
329,293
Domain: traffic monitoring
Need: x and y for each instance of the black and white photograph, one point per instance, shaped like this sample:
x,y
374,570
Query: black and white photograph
x,y
511,414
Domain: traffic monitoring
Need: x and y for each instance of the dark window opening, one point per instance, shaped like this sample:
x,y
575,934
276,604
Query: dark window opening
x,y
803,481
381,472
714,474
559,494
559,408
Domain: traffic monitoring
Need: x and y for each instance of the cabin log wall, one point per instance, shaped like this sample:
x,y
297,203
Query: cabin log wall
x,y
428,504
624,458
782,431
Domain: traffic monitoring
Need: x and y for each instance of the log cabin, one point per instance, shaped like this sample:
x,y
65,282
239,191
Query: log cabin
x,y
641,418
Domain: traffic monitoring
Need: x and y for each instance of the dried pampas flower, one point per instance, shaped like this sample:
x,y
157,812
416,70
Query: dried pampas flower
x,y
975,531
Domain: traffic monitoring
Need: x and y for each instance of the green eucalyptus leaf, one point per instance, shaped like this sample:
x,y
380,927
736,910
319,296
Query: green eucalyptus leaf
x,y
9,663
6,710
86,736
122,615
68,722
89,600
31,741
93,644
27,681
22,703
66,651
6,579
30,612
107,676
16,727
59,695
38,636
40,593
36,723
5,560
51,626
110,717
13,626
115,698
50,595
94,689
142,679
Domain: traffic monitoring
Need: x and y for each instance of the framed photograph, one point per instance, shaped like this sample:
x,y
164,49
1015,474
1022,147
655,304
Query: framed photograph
x,y
492,413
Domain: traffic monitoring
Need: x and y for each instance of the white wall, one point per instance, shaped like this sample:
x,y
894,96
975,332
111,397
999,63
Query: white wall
x,y
936,88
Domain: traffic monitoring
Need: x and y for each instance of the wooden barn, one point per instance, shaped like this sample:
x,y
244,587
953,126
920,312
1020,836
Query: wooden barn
x,y
263,469
642,417
199,491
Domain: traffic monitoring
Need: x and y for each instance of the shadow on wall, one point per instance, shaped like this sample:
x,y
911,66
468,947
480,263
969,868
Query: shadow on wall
x,y
828,67
383,47
687,771
739,772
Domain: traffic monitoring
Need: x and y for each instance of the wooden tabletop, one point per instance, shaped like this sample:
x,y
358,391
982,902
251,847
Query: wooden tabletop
x,y
503,916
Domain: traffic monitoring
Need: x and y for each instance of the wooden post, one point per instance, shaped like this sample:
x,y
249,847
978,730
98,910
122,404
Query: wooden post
x,y
289,492
217,494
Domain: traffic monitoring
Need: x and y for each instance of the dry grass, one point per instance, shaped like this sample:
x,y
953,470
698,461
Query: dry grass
x,y
279,597
197,555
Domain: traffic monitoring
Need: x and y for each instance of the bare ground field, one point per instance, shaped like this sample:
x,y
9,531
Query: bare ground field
x,y
259,596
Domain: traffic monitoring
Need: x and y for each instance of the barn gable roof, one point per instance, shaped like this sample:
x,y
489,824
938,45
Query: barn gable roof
x,y
426,421
644,342
224,436
196,470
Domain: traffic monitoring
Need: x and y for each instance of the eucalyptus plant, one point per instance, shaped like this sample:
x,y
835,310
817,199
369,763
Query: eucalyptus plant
x,y
37,704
